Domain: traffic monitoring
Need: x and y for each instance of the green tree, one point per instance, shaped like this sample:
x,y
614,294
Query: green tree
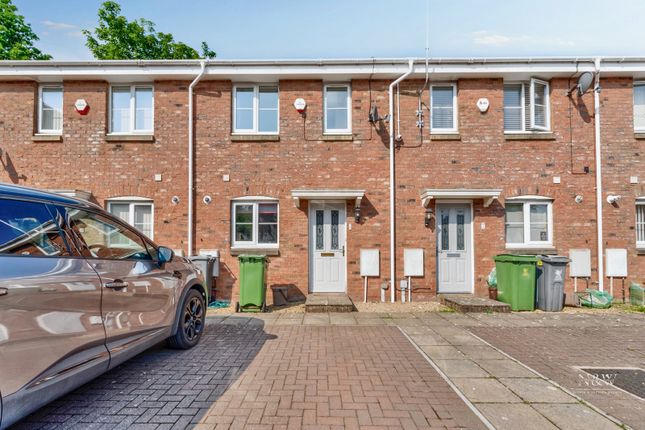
x,y
116,38
16,36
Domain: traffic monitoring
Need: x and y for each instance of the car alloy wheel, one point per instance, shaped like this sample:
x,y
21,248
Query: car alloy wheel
x,y
193,319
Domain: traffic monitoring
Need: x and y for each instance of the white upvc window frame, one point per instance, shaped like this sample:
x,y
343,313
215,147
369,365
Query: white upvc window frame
x,y
256,109
455,113
523,106
637,84
347,130
547,107
133,130
132,202
41,130
533,128
640,222
254,244
526,213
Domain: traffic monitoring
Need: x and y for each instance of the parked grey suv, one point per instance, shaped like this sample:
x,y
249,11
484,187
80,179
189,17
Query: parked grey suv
x,y
80,293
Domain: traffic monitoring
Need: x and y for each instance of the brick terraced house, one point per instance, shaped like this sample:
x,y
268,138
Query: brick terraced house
x,y
292,159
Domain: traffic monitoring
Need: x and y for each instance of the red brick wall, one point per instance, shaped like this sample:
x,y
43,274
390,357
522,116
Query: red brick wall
x,y
482,158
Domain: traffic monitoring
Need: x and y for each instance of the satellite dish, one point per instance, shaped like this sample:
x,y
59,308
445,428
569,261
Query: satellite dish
x,y
584,82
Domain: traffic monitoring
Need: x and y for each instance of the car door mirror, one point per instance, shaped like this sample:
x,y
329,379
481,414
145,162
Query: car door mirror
x,y
165,254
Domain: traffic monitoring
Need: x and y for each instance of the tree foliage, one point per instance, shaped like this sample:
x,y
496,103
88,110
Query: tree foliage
x,y
16,36
116,38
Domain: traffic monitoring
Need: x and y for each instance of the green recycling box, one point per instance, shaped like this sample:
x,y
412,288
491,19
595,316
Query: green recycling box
x,y
516,280
252,286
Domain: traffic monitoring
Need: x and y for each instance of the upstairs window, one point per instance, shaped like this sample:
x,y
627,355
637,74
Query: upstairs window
x,y
50,109
526,106
640,223
338,115
529,223
443,108
639,107
255,109
131,109
255,224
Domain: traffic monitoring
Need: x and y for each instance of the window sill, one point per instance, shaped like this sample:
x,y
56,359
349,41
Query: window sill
x,y
253,250
445,136
255,137
640,250
530,136
47,138
130,138
338,137
532,250
640,135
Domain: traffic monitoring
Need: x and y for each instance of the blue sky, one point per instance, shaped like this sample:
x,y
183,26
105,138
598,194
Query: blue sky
x,y
259,29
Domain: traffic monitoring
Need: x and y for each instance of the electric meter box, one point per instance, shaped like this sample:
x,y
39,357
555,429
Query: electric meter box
x,y
413,262
370,262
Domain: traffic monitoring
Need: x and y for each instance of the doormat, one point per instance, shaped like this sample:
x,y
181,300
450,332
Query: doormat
x,y
631,380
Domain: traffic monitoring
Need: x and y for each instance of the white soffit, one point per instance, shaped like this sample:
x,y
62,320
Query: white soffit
x,y
327,194
488,195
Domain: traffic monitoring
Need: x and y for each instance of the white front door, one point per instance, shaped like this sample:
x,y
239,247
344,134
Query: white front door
x,y
454,248
327,247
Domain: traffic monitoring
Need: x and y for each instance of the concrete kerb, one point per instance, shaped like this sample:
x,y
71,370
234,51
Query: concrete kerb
x,y
461,395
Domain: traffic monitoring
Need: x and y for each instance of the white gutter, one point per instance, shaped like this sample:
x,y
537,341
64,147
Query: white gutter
x,y
596,103
191,158
392,191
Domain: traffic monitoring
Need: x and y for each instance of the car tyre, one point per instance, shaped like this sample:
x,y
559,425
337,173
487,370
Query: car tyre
x,y
192,320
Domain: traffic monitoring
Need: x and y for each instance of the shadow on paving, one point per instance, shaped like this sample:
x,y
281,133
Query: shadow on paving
x,y
160,388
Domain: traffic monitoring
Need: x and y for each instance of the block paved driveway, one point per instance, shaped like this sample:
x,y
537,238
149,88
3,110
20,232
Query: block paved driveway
x,y
246,373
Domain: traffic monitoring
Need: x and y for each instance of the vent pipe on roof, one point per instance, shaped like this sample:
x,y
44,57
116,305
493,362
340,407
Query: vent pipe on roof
x,y
392,202
191,158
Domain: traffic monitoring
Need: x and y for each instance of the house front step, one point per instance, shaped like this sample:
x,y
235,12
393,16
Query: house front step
x,y
469,303
329,302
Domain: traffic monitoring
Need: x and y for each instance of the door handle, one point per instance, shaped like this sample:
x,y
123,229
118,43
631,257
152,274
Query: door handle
x,y
117,284
3,291
343,250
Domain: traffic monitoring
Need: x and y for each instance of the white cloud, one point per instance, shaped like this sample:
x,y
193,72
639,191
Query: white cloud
x,y
484,37
59,25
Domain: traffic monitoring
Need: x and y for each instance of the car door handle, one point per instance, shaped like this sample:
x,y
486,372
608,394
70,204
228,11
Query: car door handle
x,y
3,291
117,284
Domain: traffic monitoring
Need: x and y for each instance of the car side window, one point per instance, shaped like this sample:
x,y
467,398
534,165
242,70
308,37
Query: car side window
x,y
105,239
28,229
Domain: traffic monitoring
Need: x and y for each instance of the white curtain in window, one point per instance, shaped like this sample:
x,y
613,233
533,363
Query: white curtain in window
x,y
51,109
143,219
